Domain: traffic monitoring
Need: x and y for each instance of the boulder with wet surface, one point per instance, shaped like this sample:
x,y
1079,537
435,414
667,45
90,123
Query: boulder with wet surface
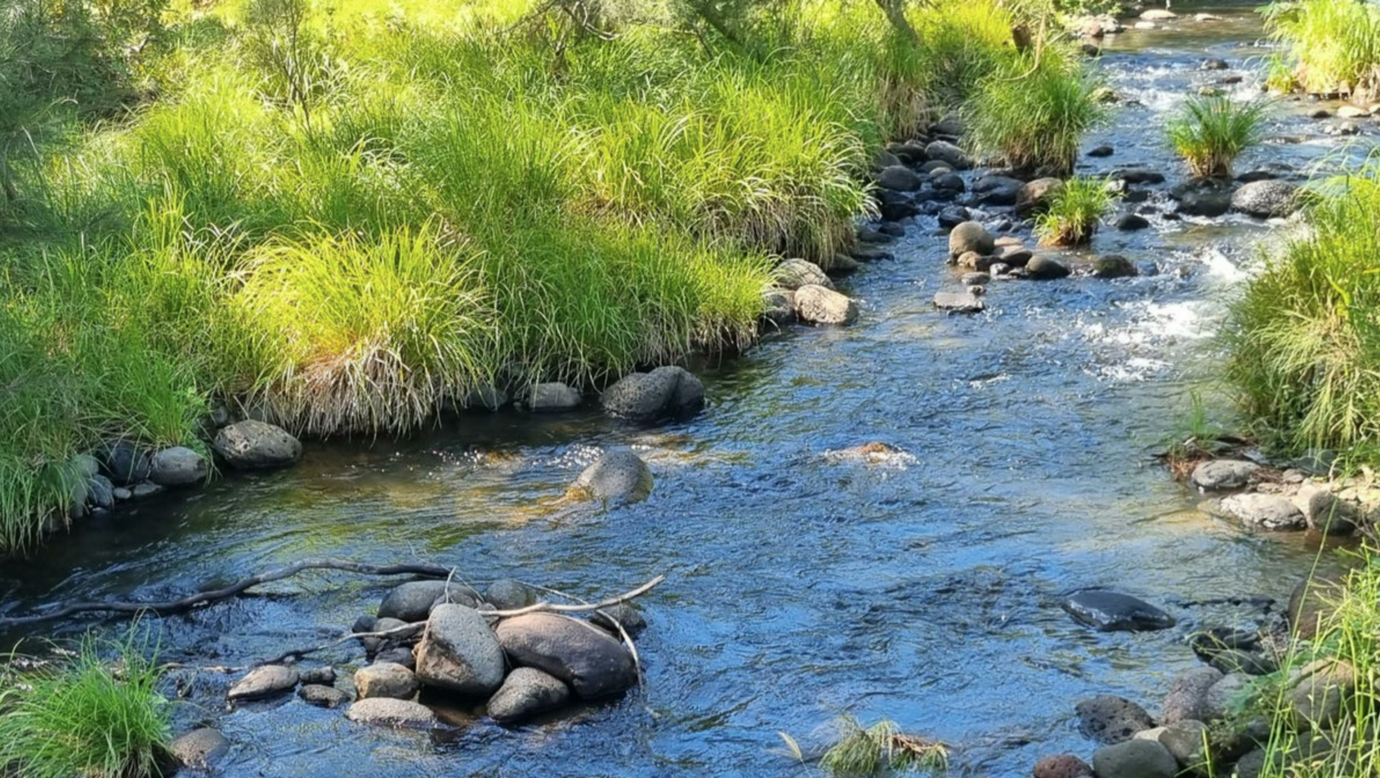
x,y
1108,611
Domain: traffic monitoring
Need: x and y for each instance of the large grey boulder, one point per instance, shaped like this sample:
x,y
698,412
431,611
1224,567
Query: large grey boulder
x,y
898,178
508,594
265,681
1188,698
949,154
1113,611
1270,199
795,273
618,477
412,601
1218,474
1135,759
254,445
459,652
178,466
970,236
665,391
1110,719
818,305
199,749
553,397
1042,268
525,693
1265,511
998,190
123,462
388,712
585,657
385,679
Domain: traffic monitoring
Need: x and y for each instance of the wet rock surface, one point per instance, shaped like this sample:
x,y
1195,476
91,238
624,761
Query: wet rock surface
x,y
1113,611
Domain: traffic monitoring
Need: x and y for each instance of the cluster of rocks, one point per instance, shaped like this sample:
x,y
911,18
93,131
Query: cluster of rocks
x,y
1096,27
121,471
446,646
1211,720
1289,499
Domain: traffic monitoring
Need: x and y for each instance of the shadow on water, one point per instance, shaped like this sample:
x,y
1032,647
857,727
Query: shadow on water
x,y
798,585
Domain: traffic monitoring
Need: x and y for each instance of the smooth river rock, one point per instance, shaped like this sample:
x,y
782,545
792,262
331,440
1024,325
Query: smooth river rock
x,y
199,749
178,466
256,445
553,397
899,178
385,711
1062,766
970,236
1188,698
959,302
617,477
624,613
385,679
123,462
1035,195
583,656
795,273
509,594
665,391
459,652
949,154
1135,759
322,696
1219,474
1313,604
817,304
1265,511
1110,719
1046,269
413,601
1270,199
525,693
1113,611
264,682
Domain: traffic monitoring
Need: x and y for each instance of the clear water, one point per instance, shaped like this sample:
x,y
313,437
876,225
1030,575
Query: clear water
x,y
799,585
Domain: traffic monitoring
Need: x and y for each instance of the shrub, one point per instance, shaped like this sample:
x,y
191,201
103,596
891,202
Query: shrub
x,y
1034,110
86,717
1334,45
1212,131
1305,335
1074,212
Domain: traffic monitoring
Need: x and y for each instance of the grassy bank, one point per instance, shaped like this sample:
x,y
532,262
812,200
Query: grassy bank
x,y
1331,47
347,214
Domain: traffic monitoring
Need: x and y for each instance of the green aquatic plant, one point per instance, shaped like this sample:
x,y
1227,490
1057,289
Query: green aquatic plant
x,y
1074,211
1212,131
91,715
1304,337
879,750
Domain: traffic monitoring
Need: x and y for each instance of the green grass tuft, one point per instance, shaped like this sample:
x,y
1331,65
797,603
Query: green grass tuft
x,y
1074,211
1212,131
87,716
880,749
1333,45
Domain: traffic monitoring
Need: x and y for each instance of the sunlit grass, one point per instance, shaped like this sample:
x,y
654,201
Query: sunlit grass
x,y
880,749
1333,45
1074,211
1211,132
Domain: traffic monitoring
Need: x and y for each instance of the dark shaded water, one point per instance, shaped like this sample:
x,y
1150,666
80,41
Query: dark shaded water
x,y
799,586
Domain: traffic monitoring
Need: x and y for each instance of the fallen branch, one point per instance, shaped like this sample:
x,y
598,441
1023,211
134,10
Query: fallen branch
x,y
550,607
193,601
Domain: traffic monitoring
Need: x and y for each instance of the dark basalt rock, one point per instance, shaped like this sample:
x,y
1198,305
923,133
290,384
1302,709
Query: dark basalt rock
x,y
1112,611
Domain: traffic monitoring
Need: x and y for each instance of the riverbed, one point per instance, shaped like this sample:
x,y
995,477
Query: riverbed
x,y
800,585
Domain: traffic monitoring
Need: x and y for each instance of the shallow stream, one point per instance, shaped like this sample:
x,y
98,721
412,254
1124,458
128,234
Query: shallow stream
x,y
799,585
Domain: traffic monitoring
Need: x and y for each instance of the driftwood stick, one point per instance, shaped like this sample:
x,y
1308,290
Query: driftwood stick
x,y
193,601
550,607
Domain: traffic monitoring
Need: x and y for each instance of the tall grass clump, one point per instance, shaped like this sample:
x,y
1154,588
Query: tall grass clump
x,y
1305,335
880,750
1333,45
1074,211
89,716
1034,110
1212,131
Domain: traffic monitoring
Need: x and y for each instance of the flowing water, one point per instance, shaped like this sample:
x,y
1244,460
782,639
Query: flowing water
x,y
799,585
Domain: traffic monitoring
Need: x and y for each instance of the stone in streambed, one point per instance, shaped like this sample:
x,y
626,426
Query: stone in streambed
x,y
1113,266
322,696
959,302
618,477
1110,719
970,236
1186,740
459,652
525,693
795,273
949,154
1132,222
586,658
1266,511
818,305
899,178
625,614
998,190
665,391
385,711
1035,195
412,601
1221,474
1113,611
1046,269
1135,759
553,397
178,466
256,445
1189,696
385,679
199,749
508,594
1062,766
262,682
123,462
100,492
1266,199
778,306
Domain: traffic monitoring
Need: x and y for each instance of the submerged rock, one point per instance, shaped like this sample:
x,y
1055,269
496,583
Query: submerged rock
x,y
254,445
795,273
959,302
1114,266
322,696
580,654
619,476
413,601
1111,719
1113,611
385,711
1131,222
264,682
525,693
1221,474
553,397
199,749
625,614
1045,269
665,391
459,652
818,305
178,466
